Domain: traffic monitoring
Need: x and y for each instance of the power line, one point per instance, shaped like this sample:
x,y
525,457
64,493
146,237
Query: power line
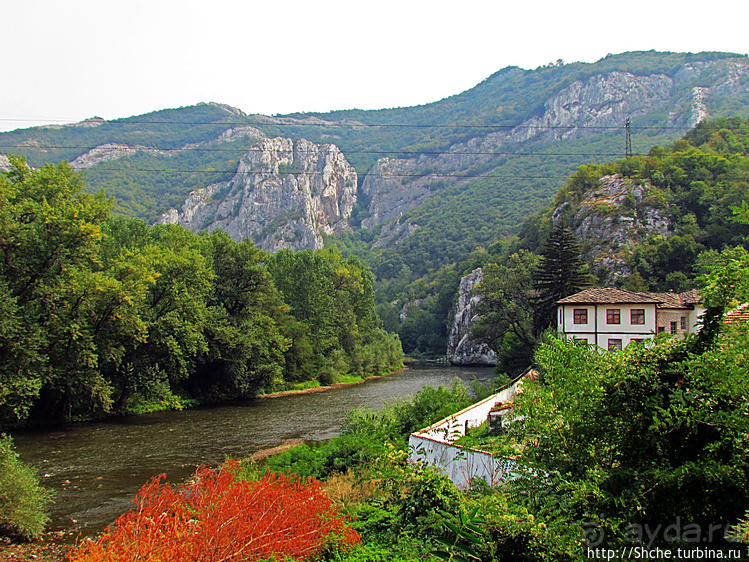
x,y
346,152
360,125
301,173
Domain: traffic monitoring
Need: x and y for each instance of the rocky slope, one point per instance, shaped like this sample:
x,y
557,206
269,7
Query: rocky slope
x,y
461,350
285,194
613,218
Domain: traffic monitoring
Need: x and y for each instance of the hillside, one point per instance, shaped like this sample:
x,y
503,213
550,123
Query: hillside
x,y
661,215
505,145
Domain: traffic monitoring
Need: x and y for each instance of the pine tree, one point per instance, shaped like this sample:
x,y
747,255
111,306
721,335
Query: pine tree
x,y
560,272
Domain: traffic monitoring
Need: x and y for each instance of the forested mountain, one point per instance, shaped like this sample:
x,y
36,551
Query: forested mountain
x,y
508,143
435,185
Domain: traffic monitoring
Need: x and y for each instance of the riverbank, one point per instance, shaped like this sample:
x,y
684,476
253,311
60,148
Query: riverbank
x,y
50,547
95,468
325,388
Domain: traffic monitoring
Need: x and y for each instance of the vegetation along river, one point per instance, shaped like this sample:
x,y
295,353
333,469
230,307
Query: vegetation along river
x,y
96,468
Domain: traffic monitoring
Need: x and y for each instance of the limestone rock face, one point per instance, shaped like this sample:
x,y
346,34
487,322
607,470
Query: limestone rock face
x,y
612,218
285,194
461,350
600,101
114,151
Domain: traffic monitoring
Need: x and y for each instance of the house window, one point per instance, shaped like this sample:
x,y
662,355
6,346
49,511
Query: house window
x,y
661,329
580,315
615,344
673,327
613,316
637,341
637,316
683,322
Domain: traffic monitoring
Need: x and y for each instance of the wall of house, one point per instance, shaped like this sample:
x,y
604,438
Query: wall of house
x,y
693,322
460,464
598,331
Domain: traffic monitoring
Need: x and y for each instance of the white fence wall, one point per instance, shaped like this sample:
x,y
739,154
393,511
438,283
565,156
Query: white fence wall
x,y
460,464
433,445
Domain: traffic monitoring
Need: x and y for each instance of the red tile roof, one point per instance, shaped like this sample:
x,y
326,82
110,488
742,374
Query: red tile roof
x,y
685,300
739,315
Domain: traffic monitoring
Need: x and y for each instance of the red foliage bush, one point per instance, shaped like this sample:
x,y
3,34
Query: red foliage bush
x,y
216,517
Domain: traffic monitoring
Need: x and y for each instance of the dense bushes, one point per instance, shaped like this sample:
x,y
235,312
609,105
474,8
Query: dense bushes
x,y
22,500
219,517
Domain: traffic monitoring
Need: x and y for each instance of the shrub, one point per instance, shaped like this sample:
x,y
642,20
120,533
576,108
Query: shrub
x,y
23,501
219,517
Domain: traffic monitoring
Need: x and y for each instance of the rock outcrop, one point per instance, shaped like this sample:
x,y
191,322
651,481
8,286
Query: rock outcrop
x,y
285,194
611,219
461,350
114,151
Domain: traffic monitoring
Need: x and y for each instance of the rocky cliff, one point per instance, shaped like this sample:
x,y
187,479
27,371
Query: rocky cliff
x,y
285,194
461,350
611,219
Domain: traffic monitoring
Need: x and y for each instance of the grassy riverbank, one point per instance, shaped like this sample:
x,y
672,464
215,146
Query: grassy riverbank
x,y
310,387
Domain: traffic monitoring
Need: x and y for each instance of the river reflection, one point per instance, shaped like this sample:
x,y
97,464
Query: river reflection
x,y
96,468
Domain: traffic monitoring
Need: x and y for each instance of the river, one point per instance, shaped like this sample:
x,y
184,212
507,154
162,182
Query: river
x,y
96,468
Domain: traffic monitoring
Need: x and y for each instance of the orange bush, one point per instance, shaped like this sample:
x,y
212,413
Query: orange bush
x,y
216,517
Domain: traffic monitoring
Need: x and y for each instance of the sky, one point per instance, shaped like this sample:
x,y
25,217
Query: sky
x,y
63,62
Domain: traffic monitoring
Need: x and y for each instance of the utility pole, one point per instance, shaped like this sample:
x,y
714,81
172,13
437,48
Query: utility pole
x,y
628,141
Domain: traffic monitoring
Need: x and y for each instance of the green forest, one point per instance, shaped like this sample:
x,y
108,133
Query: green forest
x,y
106,315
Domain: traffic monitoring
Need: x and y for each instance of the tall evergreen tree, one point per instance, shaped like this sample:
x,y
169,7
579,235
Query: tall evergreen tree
x,y
560,272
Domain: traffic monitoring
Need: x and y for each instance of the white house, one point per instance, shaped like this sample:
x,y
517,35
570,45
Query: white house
x,y
612,318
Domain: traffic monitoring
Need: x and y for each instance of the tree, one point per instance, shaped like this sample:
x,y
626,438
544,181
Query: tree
x,y
246,343
638,437
51,289
506,309
560,272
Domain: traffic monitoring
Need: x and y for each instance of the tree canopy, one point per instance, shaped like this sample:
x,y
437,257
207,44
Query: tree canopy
x,y
105,315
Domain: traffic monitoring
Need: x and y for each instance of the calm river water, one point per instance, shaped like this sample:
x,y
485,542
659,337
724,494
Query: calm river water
x,y
95,469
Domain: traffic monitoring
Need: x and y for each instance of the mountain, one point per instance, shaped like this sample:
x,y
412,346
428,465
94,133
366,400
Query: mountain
x,y
433,182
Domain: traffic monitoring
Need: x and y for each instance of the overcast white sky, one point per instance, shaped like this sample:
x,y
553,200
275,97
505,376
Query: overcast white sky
x,y
66,61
